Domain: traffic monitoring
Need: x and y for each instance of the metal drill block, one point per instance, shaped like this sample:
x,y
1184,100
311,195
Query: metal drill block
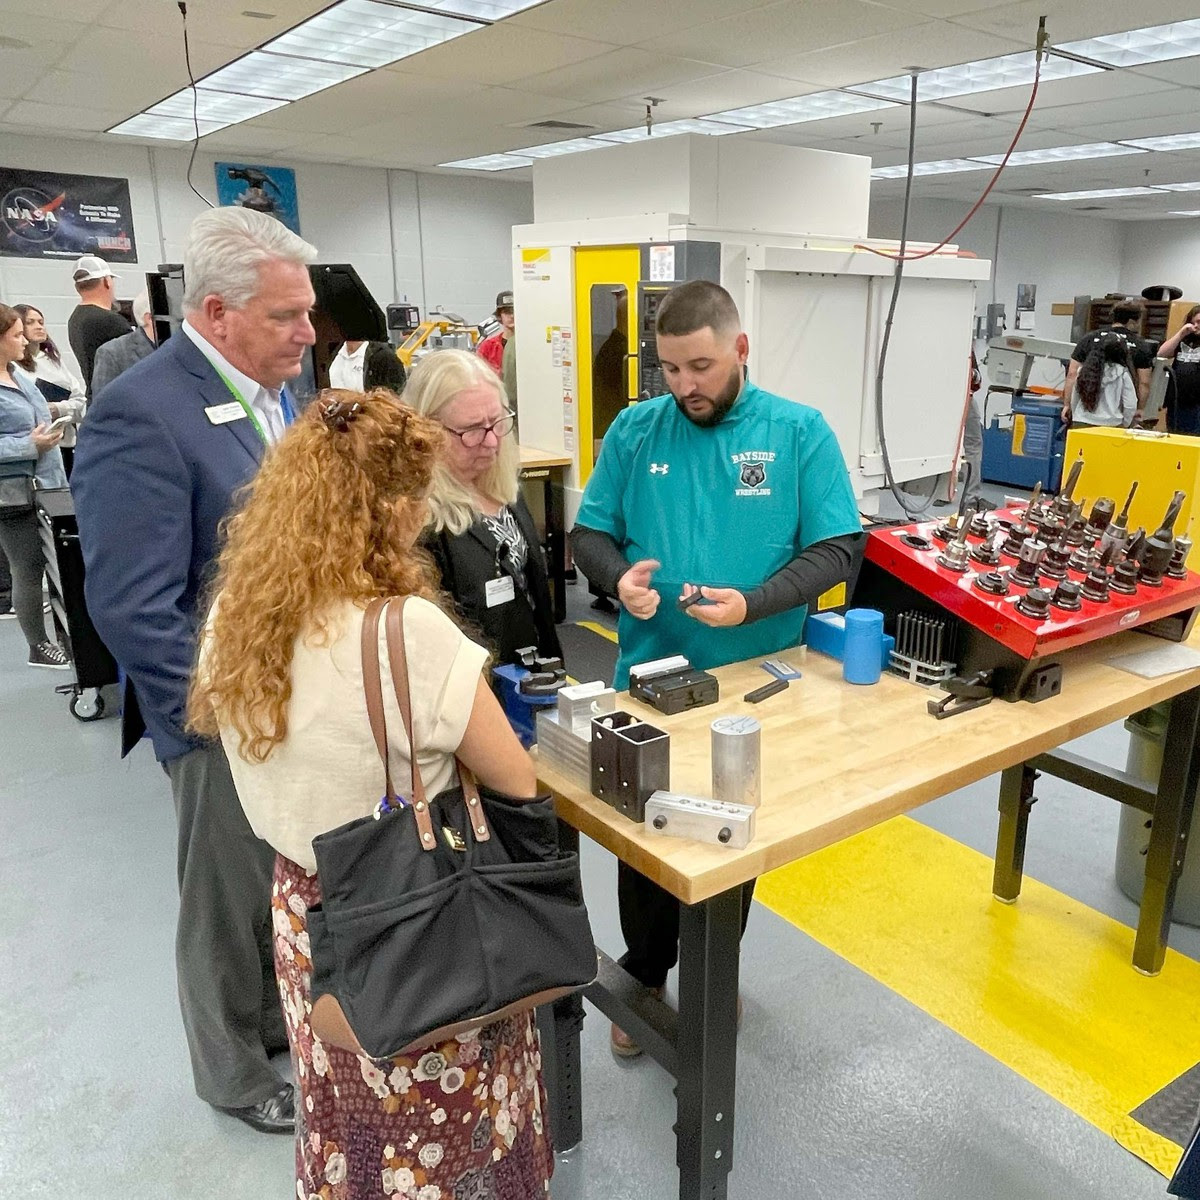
x,y
577,705
671,814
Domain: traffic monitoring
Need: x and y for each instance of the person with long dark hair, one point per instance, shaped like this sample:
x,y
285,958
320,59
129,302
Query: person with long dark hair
x,y
28,452
62,388
1183,401
1105,393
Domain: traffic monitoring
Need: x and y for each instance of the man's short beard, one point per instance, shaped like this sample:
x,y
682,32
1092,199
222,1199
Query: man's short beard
x,y
721,405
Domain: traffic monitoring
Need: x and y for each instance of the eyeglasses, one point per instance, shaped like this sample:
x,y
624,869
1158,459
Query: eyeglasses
x,y
474,437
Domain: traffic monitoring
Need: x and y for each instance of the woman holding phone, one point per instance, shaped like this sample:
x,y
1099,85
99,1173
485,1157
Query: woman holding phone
x,y
28,453
62,388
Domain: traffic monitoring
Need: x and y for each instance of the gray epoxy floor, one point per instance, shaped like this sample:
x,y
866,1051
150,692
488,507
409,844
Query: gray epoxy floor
x,y
845,1090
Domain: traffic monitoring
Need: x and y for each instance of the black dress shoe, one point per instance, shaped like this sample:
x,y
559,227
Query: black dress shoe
x,y
275,1114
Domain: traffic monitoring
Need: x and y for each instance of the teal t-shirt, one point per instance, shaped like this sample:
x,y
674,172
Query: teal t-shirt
x,y
726,506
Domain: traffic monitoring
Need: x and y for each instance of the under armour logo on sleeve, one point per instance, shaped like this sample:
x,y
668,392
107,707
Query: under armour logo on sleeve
x,y
659,468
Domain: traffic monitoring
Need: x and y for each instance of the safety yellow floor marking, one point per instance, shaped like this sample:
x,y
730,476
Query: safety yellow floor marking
x,y
1045,986
611,634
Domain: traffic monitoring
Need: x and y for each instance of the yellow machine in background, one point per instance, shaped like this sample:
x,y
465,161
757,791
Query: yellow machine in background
x,y
443,332
1162,463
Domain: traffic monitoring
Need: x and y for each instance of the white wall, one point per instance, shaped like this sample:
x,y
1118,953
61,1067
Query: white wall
x,y
1156,252
431,239
1064,256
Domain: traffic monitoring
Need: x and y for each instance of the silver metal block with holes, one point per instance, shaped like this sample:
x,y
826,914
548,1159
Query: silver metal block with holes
x,y
671,814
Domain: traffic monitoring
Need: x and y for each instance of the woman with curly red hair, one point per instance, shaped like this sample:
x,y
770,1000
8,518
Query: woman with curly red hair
x,y
330,524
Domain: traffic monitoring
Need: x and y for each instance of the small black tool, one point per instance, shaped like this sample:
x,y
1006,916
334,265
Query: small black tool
x,y
687,602
767,689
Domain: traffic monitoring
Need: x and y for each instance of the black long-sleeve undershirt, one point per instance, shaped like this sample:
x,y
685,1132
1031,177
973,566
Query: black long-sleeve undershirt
x,y
810,574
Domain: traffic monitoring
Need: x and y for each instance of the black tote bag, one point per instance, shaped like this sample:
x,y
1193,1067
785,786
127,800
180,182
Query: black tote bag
x,y
439,915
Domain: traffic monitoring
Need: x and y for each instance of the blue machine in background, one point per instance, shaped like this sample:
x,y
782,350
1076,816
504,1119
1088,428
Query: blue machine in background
x,y
1024,445
1027,448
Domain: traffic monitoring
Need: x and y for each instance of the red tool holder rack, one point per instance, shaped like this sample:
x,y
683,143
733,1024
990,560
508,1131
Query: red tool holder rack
x,y
990,633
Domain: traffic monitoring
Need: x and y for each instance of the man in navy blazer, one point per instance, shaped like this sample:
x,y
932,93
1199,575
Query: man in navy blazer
x,y
167,446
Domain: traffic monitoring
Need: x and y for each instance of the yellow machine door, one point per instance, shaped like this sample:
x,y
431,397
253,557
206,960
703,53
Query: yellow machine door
x,y
606,279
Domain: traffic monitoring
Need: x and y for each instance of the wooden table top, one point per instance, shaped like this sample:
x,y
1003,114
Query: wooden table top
x,y
838,759
533,459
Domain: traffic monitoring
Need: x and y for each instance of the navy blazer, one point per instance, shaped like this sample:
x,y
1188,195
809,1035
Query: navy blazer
x,y
153,479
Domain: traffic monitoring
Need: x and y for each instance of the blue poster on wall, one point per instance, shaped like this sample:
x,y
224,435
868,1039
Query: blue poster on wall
x,y
270,190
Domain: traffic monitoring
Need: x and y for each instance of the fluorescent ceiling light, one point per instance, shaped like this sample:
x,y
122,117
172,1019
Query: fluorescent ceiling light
x,y
365,33
483,10
554,149
1158,43
1190,212
670,129
1025,158
1178,187
986,75
261,74
222,107
945,166
796,110
1174,141
490,162
170,129
1100,194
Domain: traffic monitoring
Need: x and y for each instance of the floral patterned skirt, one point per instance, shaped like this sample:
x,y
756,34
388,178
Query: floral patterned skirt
x,y
461,1120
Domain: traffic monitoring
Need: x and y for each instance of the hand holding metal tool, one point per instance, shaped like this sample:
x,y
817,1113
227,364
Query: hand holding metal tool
x,y
722,607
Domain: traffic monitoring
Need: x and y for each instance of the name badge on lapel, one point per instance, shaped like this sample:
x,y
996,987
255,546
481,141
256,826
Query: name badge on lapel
x,y
499,591
222,414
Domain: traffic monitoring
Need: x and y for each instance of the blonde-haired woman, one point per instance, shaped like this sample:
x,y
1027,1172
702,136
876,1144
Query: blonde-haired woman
x,y
481,534
330,525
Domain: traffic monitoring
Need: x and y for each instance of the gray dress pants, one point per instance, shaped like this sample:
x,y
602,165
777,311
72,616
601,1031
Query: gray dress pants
x,y
223,945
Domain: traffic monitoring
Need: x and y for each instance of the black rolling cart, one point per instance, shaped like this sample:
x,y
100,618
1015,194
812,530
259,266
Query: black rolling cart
x,y
93,665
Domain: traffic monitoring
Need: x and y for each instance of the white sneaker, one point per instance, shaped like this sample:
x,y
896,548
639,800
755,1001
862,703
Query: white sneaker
x,y
49,655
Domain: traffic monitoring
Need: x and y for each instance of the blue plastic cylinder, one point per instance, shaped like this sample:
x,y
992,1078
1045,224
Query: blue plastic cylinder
x,y
862,660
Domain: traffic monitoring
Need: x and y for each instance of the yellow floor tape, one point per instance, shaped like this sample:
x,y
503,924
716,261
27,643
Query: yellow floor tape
x,y
1044,986
611,634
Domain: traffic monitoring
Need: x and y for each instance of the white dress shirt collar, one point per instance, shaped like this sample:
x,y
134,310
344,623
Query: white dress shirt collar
x,y
264,400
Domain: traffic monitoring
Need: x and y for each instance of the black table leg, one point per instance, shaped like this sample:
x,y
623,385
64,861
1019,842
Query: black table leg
x,y
1172,819
556,543
709,948
561,1025
1016,799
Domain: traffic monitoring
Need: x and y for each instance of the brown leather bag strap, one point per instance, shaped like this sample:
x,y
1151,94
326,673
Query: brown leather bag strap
x,y
398,660
373,688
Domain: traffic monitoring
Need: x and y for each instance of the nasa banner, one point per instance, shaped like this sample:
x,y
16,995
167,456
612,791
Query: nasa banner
x,y
47,215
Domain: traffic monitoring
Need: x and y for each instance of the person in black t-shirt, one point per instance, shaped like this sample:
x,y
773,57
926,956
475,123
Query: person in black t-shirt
x,y
1182,410
1127,316
93,322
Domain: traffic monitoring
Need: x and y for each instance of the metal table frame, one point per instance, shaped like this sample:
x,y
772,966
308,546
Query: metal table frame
x,y
697,1045
1169,806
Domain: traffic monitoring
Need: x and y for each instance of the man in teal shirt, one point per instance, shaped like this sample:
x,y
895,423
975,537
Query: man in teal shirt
x,y
719,487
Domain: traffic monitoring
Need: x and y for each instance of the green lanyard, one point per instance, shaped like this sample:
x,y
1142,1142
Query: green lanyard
x,y
262,433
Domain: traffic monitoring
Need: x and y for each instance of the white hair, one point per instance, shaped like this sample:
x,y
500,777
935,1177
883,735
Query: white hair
x,y
141,306
431,385
225,249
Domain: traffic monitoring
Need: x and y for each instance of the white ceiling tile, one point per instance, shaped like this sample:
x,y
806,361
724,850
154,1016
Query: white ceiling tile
x,y
60,118
1078,93
122,54
625,72
1069,20
21,70
930,44
43,20
1182,71
716,93
1178,104
944,8
502,54
791,27
219,22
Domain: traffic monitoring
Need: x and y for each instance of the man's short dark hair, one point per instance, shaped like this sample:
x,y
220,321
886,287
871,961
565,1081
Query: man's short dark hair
x,y
86,286
1126,311
697,305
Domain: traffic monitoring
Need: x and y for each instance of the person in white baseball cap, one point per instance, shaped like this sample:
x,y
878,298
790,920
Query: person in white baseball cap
x,y
93,322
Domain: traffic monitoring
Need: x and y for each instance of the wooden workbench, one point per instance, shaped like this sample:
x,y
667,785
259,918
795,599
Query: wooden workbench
x,y
838,759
